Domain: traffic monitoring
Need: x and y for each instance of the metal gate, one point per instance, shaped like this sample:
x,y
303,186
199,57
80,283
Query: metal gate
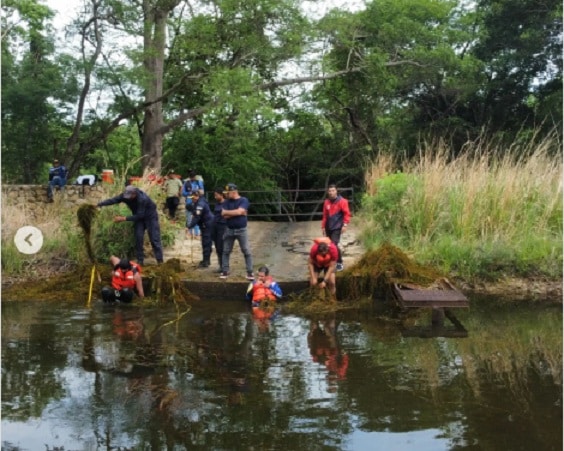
x,y
291,205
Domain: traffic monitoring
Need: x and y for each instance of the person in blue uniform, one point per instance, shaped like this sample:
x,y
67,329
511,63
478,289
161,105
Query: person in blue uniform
x,y
203,218
219,224
144,217
57,177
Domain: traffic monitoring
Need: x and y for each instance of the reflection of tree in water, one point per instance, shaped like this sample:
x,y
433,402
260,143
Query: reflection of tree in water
x,y
30,357
224,349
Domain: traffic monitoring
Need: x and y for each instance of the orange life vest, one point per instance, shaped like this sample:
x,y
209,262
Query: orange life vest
x,y
124,279
322,261
261,292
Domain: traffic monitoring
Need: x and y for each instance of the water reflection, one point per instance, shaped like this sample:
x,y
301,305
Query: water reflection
x,y
138,378
324,348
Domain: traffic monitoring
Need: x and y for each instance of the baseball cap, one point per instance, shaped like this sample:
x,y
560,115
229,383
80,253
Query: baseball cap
x,y
129,192
231,187
124,264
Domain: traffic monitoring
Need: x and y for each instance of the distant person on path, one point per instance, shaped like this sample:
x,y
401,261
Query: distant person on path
x,y
322,260
126,281
192,184
202,217
234,211
336,218
173,189
144,217
219,225
57,177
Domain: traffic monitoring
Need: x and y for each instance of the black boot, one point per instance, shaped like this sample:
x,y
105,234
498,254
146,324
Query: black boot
x,y
203,264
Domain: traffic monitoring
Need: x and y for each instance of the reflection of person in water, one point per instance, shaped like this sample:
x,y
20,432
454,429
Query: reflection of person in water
x,y
324,349
127,327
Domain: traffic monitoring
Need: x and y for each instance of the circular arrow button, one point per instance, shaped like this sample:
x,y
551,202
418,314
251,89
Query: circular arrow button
x,y
28,240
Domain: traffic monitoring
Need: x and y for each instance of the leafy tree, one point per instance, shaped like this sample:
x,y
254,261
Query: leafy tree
x,y
30,77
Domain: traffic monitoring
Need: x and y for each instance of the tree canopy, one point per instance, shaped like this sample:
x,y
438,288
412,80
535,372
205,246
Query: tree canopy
x,y
258,93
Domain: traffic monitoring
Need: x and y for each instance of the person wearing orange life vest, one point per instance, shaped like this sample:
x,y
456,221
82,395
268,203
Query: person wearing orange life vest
x,y
264,287
323,257
126,280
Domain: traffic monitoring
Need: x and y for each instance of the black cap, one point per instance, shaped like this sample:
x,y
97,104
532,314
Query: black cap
x,y
124,264
231,187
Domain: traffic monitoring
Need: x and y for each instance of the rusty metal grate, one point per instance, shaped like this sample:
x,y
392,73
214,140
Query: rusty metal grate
x,y
430,298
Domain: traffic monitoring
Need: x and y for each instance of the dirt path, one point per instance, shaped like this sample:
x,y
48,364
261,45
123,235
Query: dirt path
x,y
283,247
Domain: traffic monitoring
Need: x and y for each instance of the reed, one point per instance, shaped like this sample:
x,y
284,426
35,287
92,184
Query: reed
x,y
483,213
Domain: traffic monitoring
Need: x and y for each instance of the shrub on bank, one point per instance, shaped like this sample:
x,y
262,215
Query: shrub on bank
x,y
63,241
485,213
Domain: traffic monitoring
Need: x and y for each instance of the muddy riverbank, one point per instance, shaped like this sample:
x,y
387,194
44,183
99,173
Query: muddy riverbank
x,y
283,247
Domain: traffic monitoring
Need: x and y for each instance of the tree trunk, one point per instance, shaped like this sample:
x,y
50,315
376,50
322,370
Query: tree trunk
x,y
154,37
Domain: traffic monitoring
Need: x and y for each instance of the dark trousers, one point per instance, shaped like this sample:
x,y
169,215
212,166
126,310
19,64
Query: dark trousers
x,y
151,224
110,295
172,205
206,237
335,237
217,233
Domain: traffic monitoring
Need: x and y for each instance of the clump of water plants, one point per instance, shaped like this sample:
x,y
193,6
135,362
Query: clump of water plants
x,y
166,283
86,214
377,270
372,276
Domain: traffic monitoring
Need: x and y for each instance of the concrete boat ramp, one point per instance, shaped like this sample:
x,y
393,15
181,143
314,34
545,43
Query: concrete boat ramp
x,y
282,246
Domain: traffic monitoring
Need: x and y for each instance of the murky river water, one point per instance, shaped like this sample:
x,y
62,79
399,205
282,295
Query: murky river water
x,y
214,378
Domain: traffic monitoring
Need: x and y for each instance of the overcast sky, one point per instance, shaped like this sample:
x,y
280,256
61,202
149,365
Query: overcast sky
x,y
66,9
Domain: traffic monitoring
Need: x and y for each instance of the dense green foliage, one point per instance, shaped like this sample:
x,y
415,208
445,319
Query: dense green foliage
x,y
378,80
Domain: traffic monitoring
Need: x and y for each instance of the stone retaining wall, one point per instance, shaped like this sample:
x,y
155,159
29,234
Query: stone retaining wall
x,y
33,198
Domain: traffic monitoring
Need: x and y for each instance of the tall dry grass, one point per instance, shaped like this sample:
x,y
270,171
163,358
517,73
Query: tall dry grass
x,y
488,209
63,244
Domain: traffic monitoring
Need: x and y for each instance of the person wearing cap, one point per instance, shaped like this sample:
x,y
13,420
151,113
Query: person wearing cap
x,y
218,225
57,177
335,219
203,218
193,183
234,211
173,188
126,281
144,217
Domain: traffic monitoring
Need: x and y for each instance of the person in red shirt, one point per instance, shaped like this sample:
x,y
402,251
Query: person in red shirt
x,y
322,259
335,220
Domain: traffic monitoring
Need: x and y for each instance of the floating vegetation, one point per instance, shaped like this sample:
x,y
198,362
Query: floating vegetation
x,y
372,276
315,300
86,214
377,270
66,287
162,283
166,283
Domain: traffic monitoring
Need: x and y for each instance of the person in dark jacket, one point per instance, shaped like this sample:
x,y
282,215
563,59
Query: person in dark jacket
x,y
57,178
144,217
219,224
202,217
234,211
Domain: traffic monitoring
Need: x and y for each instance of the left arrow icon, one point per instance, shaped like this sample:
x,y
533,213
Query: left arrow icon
x,y
28,240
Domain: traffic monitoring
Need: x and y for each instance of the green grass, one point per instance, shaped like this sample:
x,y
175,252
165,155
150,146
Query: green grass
x,y
485,214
